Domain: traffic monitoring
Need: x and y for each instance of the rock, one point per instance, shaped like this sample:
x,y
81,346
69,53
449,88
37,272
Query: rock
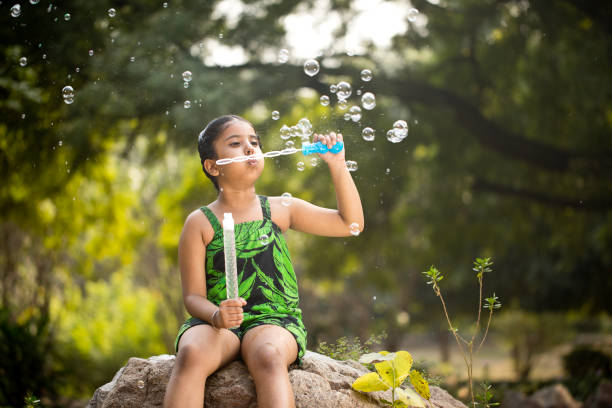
x,y
555,396
321,382
516,399
602,398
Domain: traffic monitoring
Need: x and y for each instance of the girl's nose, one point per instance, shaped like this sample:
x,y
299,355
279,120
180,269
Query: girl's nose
x,y
249,149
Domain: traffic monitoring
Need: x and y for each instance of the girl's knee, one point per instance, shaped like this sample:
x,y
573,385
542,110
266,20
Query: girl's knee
x,y
195,356
266,357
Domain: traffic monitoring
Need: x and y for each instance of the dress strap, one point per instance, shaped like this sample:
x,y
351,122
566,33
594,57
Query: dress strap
x,y
265,207
212,218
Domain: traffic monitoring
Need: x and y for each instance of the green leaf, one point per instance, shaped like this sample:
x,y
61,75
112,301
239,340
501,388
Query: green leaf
x,y
369,382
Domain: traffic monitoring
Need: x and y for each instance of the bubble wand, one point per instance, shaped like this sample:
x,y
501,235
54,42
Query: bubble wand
x,y
229,251
307,148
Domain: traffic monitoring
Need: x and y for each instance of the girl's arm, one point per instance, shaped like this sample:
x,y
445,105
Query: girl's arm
x,y
191,255
312,219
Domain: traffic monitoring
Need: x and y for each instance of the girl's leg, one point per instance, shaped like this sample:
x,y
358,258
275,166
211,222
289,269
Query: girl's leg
x,y
268,351
201,351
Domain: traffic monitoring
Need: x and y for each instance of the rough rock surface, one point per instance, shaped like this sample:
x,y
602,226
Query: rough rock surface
x,y
321,382
555,396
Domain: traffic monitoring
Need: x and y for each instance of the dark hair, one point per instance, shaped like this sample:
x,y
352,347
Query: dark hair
x,y
208,136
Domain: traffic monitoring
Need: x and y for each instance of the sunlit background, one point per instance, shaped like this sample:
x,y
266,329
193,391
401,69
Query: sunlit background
x,y
490,136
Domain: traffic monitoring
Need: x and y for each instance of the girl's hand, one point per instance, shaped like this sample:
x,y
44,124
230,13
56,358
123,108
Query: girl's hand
x,y
330,140
230,313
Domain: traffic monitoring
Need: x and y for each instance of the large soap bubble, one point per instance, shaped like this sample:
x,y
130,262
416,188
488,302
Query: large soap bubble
x,y
368,134
16,10
112,12
366,75
355,113
344,90
368,101
68,94
311,67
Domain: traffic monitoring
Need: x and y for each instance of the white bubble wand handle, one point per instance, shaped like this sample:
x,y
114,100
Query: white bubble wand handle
x,y
229,250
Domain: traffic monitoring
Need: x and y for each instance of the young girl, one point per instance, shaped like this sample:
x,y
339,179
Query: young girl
x,y
264,326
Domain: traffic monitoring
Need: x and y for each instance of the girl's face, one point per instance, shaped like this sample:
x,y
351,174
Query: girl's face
x,y
238,139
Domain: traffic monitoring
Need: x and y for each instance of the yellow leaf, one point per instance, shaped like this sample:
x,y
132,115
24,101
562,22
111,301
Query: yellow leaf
x,y
403,364
369,382
409,397
386,371
420,384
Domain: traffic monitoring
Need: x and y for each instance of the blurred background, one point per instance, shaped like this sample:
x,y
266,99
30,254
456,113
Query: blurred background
x,y
508,105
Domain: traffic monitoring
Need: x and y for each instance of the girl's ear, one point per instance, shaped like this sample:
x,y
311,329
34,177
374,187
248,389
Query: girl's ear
x,y
211,167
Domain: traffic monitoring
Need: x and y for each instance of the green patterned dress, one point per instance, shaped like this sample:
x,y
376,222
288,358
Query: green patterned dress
x,y
265,276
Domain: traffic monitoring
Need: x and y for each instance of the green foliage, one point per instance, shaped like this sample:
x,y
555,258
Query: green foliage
x,y
31,401
391,371
466,347
350,348
485,395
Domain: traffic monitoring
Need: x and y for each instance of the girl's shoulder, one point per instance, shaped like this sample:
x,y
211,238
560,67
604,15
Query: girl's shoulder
x,y
198,220
280,211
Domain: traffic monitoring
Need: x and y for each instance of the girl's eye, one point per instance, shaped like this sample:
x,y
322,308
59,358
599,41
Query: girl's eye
x,y
235,144
255,143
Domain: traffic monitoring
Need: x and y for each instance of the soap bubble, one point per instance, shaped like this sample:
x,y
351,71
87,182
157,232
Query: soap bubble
x,y
324,100
112,12
16,10
368,101
366,75
23,61
354,228
286,199
368,134
344,90
300,166
351,165
185,84
283,56
141,384
34,2
355,112
347,116
401,128
285,132
275,115
306,126
412,14
187,104
358,92
294,131
290,143
314,161
220,36
132,59
68,94
311,67
392,136
264,239
187,76
342,104
165,4
387,171
333,88
91,53
67,16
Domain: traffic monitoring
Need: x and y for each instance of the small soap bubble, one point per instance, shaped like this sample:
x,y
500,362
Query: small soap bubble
x,y
294,131
185,84
311,67
366,75
77,69
44,56
333,88
300,166
358,92
387,171
275,115
23,116
16,10
112,12
347,116
401,128
132,59
165,5
283,56
368,134
324,100
392,136
314,162
220,36
141,384
285,132
60,143
351,165
306,126
68,94
413,14
23,61
289,144
373,297
344,90
91,53
342,104
354,228
368,101
355,112
187,77
264,239
67,16
34,2
286,199
187,104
